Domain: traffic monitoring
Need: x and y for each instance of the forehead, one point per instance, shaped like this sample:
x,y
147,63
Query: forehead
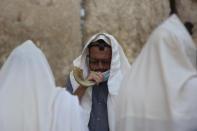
x,y
100,54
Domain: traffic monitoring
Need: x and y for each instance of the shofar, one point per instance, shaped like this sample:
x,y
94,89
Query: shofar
x,y
78,75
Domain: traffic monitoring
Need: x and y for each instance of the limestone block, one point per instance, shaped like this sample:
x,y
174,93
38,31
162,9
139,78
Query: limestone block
x,y
54,25
130,21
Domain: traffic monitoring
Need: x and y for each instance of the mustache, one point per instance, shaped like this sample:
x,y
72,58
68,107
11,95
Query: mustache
x,y
99,70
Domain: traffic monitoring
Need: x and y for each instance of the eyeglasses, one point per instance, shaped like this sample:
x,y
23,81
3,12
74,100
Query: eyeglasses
x,y
102,61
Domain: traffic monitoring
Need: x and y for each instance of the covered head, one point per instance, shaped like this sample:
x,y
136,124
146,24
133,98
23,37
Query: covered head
x,y
28,95
113,59
159,93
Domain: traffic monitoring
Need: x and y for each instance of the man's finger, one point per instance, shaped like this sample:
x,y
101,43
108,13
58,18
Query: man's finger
x,y
101,75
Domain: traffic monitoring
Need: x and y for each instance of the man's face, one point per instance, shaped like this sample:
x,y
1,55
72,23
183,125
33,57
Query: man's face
x,y
100,60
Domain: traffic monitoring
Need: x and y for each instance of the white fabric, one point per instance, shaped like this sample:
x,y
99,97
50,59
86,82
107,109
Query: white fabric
x,y
119,67
28,97
160,92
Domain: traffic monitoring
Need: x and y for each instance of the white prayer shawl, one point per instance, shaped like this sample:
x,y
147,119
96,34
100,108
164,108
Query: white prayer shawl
x,y
119,67
28,96
160,92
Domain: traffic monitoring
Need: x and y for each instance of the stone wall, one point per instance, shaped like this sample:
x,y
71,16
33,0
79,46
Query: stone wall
x,y
54,25
130,21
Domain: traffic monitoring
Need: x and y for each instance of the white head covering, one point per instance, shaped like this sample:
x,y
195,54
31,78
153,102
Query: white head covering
x,y
119,63
119,67
160,92
28,97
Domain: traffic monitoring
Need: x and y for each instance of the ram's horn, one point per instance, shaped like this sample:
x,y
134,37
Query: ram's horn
x,y
78,75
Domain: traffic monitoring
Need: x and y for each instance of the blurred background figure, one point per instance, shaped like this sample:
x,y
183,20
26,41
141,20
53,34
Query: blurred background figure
x,y
29,98
159,93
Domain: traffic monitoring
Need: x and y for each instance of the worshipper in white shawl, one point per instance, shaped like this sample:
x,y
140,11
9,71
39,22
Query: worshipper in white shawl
x,y
101,53
29,98
160,92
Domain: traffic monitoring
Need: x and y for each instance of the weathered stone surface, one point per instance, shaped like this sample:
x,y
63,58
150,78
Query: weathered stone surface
x,y
130,21
54,25
187,11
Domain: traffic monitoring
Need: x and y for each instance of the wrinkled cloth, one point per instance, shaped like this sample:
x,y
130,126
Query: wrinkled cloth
x,y
29,98
160,92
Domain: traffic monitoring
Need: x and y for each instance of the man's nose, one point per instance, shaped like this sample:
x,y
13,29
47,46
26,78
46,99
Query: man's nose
x,y
100,65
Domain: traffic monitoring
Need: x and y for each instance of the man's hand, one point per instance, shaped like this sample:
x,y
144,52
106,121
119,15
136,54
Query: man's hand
x,y
96,76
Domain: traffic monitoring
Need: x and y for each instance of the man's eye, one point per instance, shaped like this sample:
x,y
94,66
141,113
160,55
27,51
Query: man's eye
x,y
106,62
93,61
